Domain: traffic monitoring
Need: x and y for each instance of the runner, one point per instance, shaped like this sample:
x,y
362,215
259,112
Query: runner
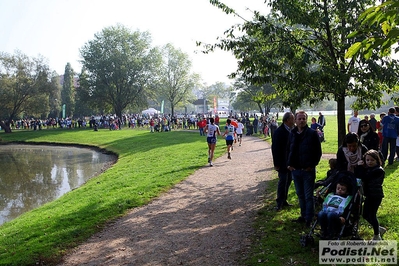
x,y
229,134
239,131
211,130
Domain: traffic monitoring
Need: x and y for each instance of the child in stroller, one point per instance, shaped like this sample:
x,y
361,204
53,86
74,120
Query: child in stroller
x,y
322,187
334,210
349,211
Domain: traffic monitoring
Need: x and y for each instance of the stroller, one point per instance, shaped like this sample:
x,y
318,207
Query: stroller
x,y
351,226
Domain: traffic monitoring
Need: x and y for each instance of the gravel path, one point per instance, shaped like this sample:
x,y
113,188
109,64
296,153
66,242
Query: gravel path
x,y
204,220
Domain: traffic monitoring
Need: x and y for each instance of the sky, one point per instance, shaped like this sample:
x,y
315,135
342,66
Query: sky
x,y
57,29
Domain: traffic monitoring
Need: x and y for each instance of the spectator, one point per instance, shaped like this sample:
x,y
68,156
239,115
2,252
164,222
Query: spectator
x,y
353,123
321,120
280,154
373,122
390,124
367,136
304,155
350,153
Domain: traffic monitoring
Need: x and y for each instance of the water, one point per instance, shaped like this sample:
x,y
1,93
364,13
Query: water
x,y
33,175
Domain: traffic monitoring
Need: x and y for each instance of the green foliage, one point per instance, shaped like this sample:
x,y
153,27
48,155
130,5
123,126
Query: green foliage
x,y
120,67
175,80
68,91
300,48
379,31
25,85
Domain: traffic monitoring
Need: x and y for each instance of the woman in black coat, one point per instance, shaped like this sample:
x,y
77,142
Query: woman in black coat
x,y
367,136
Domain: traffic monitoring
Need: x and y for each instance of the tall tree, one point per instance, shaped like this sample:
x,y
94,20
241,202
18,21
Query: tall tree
x,y
119,67
301,48
265,96
55,96
24,85
68,91
176,82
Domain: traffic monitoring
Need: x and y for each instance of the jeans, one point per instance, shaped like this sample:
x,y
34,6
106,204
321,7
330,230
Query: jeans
x,y
284,182
201,130
329,222
392,148
304,186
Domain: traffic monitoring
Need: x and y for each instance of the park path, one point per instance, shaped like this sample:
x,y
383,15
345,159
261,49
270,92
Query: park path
x,y
205,220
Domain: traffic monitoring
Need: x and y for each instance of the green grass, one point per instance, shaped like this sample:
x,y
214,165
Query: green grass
x,y
148,165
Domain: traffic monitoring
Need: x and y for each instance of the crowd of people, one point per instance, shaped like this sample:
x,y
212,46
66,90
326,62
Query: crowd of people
x,y
296,150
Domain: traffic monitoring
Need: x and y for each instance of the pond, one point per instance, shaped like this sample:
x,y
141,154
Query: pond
x,y
33,175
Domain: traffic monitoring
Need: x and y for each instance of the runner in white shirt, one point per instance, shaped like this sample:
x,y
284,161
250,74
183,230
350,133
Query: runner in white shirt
x,y
239,131
211,130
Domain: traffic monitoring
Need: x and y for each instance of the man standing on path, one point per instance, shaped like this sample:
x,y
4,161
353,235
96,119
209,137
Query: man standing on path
x,y
280,153
304,155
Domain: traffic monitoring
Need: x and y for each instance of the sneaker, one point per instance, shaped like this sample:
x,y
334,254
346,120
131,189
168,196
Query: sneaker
x,y
209,159
210,164
228,156
239,144
377,237
382,230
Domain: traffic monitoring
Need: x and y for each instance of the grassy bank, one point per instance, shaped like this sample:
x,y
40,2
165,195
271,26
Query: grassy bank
x,y
148,165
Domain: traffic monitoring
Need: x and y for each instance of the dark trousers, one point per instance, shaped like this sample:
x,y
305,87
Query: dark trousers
x,y
284,182
391,142
370,208
304,186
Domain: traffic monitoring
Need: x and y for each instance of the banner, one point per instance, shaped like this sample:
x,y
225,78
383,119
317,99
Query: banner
x,y
63,110
215,106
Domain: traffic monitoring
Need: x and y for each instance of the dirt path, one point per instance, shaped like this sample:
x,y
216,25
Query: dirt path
x,y
204,220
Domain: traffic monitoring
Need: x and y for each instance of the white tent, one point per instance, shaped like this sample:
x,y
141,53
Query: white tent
x,y
150,111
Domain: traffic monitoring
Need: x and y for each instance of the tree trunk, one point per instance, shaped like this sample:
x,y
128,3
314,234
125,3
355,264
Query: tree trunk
x,y
172,110
7,128
341,120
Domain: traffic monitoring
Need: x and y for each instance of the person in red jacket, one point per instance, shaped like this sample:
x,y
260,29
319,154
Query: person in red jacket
x,y
201,126
217,120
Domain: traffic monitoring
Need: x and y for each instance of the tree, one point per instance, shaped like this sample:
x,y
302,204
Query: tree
x,y
120,67
265,96
379,25
25,85
68,91
300,48
175,80
55,96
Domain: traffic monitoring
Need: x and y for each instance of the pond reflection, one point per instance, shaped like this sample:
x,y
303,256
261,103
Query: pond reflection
x,y
33,175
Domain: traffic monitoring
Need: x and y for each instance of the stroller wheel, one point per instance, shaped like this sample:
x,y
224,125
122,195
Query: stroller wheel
x,y
306,240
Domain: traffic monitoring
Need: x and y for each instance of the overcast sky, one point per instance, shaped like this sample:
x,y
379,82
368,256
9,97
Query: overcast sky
x,y
57,29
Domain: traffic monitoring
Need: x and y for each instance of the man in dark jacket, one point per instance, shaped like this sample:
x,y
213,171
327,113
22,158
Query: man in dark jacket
x,y
280,154
304,155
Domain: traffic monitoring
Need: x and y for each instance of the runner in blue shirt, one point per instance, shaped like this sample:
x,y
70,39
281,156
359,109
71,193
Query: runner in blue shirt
x,y
229,134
